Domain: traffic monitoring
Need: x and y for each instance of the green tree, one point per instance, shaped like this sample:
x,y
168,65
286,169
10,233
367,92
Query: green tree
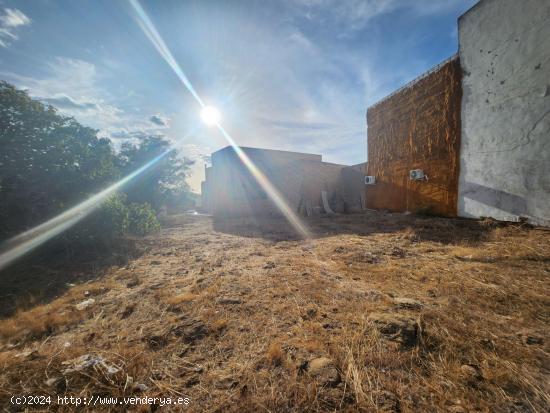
x,y
161,185
48,162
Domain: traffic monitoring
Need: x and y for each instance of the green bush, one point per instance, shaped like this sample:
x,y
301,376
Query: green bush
x,y
143,219
114,216
104,226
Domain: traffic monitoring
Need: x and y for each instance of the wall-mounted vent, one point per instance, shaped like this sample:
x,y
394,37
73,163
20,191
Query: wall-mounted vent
x,y
417,175
370,180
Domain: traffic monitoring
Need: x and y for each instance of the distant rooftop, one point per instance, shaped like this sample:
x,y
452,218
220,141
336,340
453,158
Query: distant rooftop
x,y
248,149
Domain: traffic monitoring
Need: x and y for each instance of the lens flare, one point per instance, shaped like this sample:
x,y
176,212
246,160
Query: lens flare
x,y
27,241
210,115
276,197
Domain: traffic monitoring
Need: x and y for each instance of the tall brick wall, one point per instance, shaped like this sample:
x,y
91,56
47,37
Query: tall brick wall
x,y
418,127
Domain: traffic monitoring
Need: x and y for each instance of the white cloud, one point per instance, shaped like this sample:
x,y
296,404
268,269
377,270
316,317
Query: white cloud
x,y
353,15
160,120
299,95
63,101
10,20
74,87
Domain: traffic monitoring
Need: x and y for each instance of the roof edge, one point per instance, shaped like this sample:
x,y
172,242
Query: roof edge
x,y
415,80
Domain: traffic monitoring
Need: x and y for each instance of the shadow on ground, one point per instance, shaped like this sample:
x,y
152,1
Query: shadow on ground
x,y
443,230
48,272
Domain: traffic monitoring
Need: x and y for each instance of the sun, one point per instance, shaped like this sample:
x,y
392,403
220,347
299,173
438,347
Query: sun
x,y
210,115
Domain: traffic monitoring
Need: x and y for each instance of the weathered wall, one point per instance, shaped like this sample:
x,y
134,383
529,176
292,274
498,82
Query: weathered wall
x,y
352,187
418,127
205,190
300,178
505,151
235,191
320,176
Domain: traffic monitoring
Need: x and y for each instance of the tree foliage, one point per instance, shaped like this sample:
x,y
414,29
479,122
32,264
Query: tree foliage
x,y
50,162
156,186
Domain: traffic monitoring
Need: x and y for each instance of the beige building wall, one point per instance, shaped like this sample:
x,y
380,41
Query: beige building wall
x,y
299,178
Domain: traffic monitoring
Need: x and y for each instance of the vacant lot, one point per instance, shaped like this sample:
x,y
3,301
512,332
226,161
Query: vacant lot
x,y
377,312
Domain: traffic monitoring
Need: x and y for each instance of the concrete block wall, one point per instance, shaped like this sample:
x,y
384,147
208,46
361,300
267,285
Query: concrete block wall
x,y
351,187
231,190
205,190
317,177
504,48
235,192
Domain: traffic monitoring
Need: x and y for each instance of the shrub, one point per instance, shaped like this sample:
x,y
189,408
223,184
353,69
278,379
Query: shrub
x,y
143,219
114,216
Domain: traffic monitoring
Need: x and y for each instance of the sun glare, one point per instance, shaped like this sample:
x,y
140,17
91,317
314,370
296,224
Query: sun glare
x,y
210,115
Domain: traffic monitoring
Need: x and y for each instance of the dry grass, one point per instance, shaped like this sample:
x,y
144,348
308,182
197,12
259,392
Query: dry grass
x,y
275,354
180,298
233,319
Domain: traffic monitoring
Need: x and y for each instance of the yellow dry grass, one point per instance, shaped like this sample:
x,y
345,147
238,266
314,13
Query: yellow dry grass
x,y
233,316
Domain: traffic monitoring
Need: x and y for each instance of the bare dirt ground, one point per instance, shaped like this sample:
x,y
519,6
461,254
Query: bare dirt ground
x,y
378,312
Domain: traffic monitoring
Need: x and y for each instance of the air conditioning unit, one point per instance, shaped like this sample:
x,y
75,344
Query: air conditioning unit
x,y
417,175
370,180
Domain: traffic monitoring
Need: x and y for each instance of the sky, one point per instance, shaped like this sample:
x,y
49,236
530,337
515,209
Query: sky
x,y
292,75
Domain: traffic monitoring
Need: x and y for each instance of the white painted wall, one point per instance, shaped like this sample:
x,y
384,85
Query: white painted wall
x,y
505,143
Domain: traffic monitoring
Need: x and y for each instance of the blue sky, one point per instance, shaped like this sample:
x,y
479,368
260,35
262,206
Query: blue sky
x,y
289,74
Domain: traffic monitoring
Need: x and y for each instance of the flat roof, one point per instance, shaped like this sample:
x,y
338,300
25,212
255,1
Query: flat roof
x,y
249,148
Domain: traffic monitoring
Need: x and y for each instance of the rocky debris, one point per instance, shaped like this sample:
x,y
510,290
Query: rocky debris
x,y
58,384
373,295
331,325
456,409
28,354
470,372
229,300
530,339
324,371
398,252
127,311
226,381
156,342
192,381
365,257
132,282
431,293
487,343
136,387
397,328
85,304
407,303
386,401
52,381
334,398
88,361
310,313
191,330
140,387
